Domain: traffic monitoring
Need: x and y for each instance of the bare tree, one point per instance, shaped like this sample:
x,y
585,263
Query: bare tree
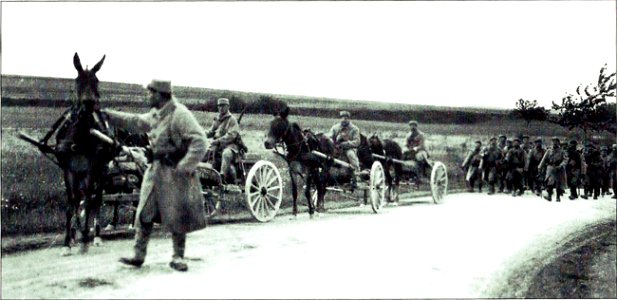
x,y
529,111
589,109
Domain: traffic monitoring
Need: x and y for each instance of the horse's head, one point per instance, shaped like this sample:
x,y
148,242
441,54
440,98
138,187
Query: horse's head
x,y
279,128
375,143
87,84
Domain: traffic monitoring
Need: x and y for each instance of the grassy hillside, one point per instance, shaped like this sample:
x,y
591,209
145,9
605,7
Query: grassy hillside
x,y
54,92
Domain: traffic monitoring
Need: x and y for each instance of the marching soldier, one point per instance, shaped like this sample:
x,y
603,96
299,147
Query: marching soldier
x,y
501,170
554,160
606,180
346,136
491,157
531,166
472,163
515,161
507,169
171,192
593,174
612,169
526,146
573,168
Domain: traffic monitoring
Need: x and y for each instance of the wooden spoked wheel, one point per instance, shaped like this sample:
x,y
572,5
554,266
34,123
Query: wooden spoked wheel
x,y
263,190
377,186
439,182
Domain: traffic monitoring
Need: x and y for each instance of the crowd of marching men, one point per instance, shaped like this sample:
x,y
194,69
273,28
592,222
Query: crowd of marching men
x,y
516,165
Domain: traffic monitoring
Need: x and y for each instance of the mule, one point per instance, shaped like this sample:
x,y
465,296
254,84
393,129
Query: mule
x,y
83,158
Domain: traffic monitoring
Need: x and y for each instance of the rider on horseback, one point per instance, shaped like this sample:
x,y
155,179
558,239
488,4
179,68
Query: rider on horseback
x,y
226,142
416,150
346,137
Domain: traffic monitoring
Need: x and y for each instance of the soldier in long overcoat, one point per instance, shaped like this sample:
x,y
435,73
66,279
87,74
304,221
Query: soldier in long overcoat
x,y
491,156
526,145
170,193
606,176
515,160
574,168
472,164
593,172
554,160
531,166
612,169
501,168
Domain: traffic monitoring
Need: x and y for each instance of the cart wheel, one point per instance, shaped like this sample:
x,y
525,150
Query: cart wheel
x,y
264,190
377,186
392,193
439,182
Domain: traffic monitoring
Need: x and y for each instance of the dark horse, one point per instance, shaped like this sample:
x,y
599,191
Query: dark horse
x,y
82,157
390,150
300,159
316,171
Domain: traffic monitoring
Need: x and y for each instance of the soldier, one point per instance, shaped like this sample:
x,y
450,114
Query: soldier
x,y
612,169
531,166
515,161
170,192
415,147
526,146
491,157
593,174
573,168
472,163
346,136
507,170
554,160
606,180
225,132
501,170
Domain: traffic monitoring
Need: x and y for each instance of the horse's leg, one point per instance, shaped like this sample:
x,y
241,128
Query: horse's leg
x,y
86,193
294,192
307,191
70,209
96,210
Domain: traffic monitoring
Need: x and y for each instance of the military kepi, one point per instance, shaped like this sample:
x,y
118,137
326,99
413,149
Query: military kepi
x,y
344,113
222,101
161,86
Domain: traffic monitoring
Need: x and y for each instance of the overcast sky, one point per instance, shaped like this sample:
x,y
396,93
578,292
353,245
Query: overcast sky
x,y
481,54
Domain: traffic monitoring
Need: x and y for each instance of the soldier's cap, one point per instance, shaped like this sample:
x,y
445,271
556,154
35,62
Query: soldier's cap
x,y
344,113
525,136
478,142
555,139
503,136
222,101
493,139
413,122
516,140
161,86
538,140
573,142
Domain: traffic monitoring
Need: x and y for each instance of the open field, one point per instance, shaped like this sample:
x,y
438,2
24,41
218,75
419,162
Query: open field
x,y
33,190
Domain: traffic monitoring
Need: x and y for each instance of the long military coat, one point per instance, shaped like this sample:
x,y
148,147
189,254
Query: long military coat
x,y
348,137
172,193
554,160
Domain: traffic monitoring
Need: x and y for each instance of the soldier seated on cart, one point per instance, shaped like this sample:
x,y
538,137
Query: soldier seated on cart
x,y
226,146
416,149
346,137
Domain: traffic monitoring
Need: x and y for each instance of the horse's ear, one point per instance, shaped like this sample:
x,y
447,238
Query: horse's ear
x,y
77,63
284,112
98,65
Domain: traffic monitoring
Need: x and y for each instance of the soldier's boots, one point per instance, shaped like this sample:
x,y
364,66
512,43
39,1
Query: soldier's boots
x,y
133,261
491,189
573,194
549,196
178,264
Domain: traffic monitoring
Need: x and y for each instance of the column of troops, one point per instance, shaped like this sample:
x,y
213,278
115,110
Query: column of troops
x,y
515,166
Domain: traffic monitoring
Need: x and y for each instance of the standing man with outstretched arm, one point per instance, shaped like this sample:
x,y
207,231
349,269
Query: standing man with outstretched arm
x,y
170,192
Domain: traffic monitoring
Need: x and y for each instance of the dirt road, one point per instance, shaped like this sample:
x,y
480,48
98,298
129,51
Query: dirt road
x,y
469,246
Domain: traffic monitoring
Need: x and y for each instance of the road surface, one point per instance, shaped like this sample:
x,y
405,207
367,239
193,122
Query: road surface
x,y
467,247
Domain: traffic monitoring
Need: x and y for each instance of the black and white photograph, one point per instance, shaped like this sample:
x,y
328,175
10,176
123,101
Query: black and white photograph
x,y
308,149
